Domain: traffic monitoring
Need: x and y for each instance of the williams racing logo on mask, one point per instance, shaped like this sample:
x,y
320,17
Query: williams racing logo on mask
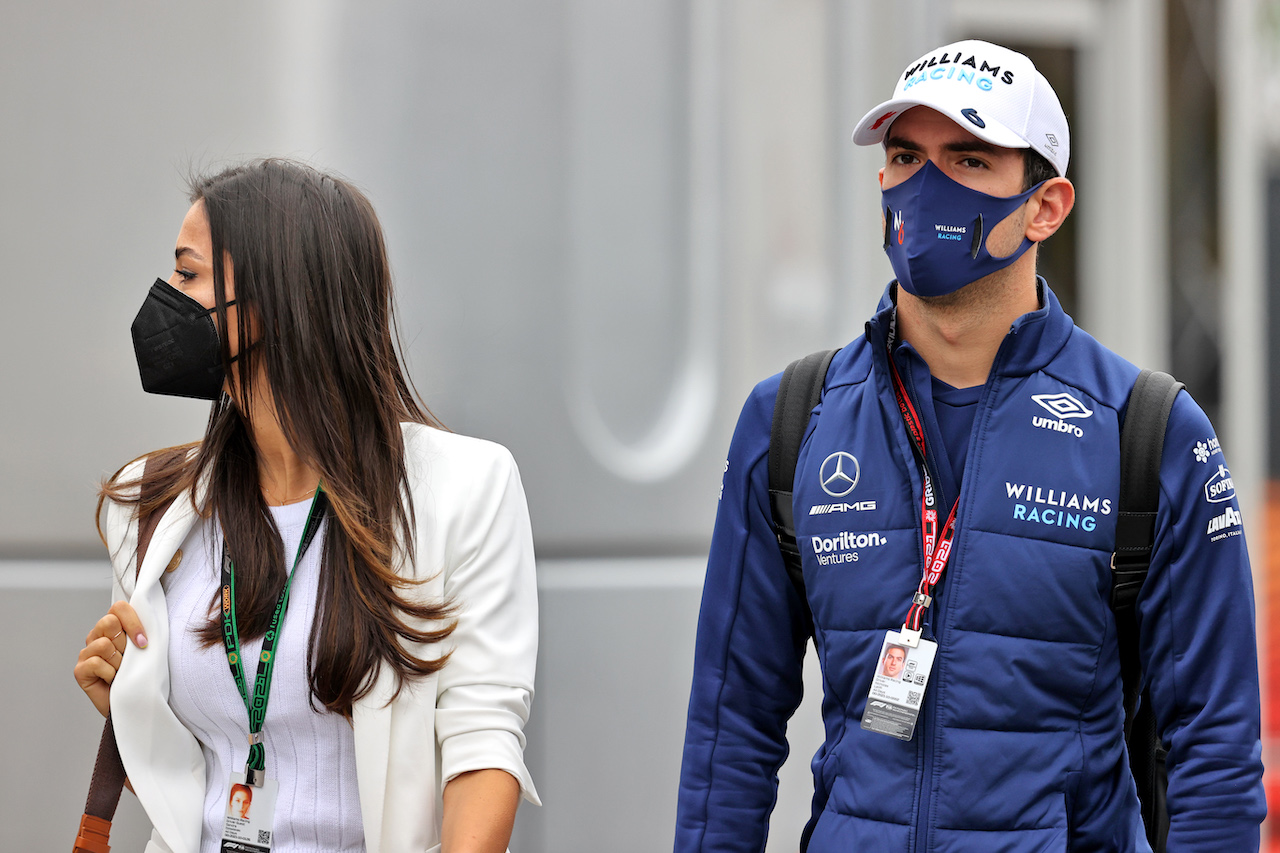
x,y
1064,409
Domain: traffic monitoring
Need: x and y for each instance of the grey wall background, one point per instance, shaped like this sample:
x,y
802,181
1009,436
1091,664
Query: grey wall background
x,y
608,219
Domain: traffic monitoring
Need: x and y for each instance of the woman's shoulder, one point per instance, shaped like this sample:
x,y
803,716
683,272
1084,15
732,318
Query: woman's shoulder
x,y
439,452
122,490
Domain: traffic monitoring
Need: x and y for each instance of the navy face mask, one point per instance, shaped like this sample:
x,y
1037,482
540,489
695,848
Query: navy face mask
x,y
176,343
935,232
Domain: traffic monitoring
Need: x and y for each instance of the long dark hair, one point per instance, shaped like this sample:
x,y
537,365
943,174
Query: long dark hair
x,y
313,287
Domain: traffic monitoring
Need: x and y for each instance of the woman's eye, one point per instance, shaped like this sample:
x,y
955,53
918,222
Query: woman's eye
x,y
187,275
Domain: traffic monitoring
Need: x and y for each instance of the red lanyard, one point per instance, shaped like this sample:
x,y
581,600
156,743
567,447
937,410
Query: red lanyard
x,y
937,549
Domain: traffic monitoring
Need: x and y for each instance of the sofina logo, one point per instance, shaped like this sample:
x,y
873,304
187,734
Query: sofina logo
x,y
1221,487
1063,407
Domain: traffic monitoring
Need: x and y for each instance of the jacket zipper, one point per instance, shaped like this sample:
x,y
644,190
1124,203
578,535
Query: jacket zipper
x,y
925,729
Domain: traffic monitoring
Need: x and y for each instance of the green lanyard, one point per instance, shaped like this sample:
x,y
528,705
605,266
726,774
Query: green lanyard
x,y
255,767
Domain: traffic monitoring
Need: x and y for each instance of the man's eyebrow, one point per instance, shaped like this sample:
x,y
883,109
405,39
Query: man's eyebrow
x,y
973,146
963,146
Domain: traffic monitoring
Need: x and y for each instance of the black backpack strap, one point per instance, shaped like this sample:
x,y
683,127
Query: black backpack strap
x,y
1141,447
800,391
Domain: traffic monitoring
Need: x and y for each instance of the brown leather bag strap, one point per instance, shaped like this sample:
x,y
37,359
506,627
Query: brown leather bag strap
x,y
147,524
108,778
108,770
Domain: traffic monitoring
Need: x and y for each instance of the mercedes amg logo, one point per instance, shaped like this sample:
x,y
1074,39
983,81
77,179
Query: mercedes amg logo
x,y
839,474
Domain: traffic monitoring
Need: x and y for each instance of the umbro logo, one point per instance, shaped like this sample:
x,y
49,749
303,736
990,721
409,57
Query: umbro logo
x,y
1062,405
839,474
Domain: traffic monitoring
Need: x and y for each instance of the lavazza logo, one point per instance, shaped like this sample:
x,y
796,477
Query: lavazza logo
x,y
1227,524
1063,407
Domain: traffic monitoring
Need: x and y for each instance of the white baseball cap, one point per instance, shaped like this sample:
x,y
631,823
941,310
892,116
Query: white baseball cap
x,y
993,92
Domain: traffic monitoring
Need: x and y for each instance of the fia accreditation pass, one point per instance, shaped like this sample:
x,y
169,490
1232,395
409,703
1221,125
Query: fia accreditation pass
x,y
897,688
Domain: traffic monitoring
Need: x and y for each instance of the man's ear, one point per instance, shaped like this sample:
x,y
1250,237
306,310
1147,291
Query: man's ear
x,y
1049,208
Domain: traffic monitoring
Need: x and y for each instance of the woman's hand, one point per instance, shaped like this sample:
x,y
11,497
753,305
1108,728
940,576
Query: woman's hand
x,y
479,812
103,650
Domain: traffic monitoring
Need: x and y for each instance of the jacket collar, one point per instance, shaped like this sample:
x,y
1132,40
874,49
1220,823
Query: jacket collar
x,y
1034,339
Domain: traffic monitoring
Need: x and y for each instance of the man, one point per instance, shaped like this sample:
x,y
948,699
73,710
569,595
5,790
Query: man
x,y
894,657
971,388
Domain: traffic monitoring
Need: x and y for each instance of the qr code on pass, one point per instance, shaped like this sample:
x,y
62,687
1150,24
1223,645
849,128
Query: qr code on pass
x,y
913,697
264,836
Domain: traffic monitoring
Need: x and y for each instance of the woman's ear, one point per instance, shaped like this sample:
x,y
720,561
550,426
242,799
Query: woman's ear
x,y
1049,208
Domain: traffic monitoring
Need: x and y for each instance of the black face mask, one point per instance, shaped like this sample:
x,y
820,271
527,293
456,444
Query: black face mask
x,y
177,345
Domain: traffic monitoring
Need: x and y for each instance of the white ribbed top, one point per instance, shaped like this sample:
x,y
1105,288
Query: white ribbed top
x,y
310,754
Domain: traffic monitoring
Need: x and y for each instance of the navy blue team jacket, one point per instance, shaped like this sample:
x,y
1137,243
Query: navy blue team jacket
x,y
1019,745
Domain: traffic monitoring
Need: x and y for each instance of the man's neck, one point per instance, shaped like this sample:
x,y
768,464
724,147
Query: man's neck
x,y
958,335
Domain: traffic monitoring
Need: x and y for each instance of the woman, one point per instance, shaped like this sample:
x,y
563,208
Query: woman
x,y
400,677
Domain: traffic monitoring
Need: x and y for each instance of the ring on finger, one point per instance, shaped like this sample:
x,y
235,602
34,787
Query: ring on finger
x,y
117,633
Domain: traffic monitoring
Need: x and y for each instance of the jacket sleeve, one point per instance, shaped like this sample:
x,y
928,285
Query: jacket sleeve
x,y
1198,645
748,660
487,687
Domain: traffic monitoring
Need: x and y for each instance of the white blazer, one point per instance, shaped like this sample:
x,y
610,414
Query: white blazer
x,y
474,547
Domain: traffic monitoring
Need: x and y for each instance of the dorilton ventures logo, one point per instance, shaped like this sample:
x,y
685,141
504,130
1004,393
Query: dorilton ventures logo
x,y
839,474
844,547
